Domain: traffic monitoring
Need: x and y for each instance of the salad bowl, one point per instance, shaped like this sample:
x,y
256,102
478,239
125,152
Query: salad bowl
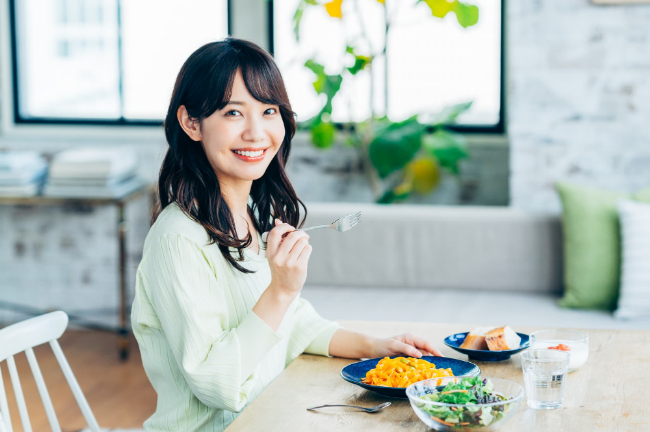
x,y
465,403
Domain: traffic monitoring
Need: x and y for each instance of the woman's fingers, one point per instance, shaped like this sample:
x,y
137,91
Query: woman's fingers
x,y
404,348
420,343
305,254
289,242
276,235
424,345
299,255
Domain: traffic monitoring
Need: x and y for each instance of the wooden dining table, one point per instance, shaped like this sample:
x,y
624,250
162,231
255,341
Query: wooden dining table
x,y
611,392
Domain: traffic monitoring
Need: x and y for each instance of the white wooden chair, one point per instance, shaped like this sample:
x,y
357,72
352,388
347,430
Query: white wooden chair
x,y
23,336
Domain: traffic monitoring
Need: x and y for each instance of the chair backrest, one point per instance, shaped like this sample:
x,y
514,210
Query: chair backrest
x,y
23,336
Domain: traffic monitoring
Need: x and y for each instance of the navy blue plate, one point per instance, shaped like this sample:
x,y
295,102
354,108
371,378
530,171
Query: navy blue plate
x,y
456,340
355,371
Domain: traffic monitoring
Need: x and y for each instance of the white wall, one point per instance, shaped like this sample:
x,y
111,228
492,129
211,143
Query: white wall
x,y
579,98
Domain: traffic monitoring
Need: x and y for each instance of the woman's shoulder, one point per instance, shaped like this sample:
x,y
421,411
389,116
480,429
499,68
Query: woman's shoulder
x,y
173,221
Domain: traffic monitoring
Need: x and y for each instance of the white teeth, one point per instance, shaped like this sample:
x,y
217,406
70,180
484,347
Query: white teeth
x,y
250,153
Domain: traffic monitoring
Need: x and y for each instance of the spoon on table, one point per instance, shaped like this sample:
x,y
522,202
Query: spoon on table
x,y
368,410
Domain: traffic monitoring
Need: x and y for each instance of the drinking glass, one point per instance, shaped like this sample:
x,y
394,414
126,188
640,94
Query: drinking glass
x,y
577,341
545,373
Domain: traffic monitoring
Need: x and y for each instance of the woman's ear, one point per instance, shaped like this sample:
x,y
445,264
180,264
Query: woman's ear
x,y
191,127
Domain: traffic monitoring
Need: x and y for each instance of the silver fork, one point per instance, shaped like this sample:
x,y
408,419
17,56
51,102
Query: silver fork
x,y
341,225
368,410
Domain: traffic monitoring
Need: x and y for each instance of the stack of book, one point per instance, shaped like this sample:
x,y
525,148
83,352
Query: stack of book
x,y
93,173
21,173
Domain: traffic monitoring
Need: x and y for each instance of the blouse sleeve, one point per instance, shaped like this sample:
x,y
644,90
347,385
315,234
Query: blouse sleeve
x,y
311,333
216,362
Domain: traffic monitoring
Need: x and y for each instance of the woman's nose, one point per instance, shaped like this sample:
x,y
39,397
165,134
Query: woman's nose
x,y
254,130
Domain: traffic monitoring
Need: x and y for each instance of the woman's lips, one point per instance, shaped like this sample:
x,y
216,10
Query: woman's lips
x,y
248,158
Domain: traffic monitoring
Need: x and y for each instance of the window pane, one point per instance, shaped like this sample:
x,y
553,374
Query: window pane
x,y
68,54
158,36
432,62
435,62
67,58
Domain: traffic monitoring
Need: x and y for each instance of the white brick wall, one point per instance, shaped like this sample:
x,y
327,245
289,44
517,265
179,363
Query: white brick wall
x,y
60,257
579,98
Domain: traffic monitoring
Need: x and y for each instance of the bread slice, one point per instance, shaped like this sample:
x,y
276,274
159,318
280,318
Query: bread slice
x,y
475,339
502,338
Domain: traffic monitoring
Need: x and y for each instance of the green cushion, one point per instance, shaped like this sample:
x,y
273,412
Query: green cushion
x,y
592,245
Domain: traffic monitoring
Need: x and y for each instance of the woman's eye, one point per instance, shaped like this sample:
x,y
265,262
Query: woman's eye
x,y
271,111
233,113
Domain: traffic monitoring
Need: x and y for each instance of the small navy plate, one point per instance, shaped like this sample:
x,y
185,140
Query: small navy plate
x,y
456,340
355,371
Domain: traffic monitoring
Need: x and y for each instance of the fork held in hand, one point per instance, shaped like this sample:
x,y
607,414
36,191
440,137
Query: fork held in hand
x,y
341,225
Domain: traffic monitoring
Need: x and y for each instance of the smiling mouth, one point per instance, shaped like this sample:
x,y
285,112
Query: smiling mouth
x,y
250,155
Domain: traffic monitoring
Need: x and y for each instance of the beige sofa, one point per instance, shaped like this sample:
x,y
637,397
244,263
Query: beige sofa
x,y
487,265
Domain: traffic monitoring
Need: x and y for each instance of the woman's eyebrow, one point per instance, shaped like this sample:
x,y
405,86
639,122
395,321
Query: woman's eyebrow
x,y
244,103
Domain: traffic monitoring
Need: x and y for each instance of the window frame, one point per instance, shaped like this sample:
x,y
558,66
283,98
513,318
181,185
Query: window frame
x,y
498,128
122,121
12,122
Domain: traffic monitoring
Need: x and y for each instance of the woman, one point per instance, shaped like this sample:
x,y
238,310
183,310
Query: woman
x,y
217,314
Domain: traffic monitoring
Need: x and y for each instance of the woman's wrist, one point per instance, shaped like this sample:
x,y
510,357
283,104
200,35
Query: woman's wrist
x,y
369,347
272,306
281,294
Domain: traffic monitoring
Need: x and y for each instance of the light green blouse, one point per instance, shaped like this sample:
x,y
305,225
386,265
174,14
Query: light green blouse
x,y
204,350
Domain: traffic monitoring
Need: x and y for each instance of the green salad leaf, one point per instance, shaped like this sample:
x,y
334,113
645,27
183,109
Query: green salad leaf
x,y
473,393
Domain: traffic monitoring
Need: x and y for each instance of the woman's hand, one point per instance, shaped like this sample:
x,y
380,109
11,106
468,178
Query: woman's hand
x,y
287,251
404,344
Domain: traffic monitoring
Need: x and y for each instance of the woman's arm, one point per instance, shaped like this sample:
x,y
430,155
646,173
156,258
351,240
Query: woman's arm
x,y
217,362
349,344
288,253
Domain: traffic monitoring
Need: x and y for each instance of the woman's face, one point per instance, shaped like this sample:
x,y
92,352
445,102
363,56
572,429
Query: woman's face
x,y
241,139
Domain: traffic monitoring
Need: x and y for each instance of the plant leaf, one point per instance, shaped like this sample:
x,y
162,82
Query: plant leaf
x,y
316,68
448,148
395,145
398,193
333,9
440,8
324,84
360,61
297,16
323,135
449,114
466,14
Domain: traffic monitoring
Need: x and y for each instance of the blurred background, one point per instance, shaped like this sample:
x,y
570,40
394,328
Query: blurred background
x,y
449,124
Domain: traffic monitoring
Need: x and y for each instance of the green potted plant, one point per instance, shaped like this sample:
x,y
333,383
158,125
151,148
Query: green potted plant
x,y
398,158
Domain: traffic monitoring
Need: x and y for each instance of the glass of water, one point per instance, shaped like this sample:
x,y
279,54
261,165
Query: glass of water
x,y
545,373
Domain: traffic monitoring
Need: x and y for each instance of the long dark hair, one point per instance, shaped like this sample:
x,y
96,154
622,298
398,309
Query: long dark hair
x,y
204,85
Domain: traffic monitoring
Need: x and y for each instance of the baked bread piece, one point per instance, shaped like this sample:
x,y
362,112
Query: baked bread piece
x,y
502,338
475,339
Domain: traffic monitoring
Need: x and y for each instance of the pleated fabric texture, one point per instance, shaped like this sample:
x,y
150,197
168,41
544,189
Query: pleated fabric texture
x,y
205,352
634,298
